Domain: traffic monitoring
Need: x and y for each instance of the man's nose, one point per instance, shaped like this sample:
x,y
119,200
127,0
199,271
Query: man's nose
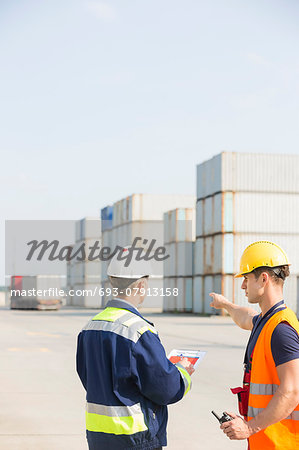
x,y
243,285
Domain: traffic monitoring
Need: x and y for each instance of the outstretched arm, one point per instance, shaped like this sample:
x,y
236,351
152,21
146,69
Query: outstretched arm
x,y
241,315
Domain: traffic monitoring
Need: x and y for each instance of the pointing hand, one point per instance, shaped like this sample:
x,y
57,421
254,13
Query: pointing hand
x,y
219,301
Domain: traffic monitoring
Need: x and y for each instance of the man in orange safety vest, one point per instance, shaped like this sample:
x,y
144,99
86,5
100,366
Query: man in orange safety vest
x,y
269,397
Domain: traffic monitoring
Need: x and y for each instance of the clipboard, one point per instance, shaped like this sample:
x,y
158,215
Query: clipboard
x,y
194,356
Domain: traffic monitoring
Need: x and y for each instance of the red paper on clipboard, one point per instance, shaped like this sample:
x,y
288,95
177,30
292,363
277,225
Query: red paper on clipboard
x,y
194,356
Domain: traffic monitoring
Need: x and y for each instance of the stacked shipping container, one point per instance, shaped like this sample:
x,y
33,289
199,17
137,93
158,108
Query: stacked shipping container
x,y
140,215
107,225
242,198
179,235
84,277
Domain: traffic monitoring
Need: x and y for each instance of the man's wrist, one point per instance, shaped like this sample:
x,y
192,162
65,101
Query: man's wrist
x,y
253,427
228,305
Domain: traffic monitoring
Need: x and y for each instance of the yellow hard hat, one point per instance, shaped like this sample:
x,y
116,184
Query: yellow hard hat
x,y
260,254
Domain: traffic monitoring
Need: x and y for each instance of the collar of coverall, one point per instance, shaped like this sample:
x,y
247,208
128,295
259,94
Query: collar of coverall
x,y
118,303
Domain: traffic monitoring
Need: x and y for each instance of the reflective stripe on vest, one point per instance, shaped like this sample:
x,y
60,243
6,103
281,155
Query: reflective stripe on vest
x,y
264,382
253,412
186,377
115,419
121,322
263,389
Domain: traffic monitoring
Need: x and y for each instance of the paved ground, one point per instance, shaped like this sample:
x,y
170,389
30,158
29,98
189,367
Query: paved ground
x,y
42,401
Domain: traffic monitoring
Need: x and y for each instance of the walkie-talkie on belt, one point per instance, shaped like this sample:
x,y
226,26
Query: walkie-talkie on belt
x,y
225,418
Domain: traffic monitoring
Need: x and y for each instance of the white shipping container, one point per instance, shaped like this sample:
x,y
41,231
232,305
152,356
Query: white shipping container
x,y
169,269
221,253
169,302
208,286
124,235
88,228
79,272
107,238
70,273
198,257
139,207
248,172
181,290
106,242
180,298
104,268
213,254
92,272
199,218
185,293
180,259
90,244
184,259
87,295
215,214
203,285
198,294
266,213
179,225
248,212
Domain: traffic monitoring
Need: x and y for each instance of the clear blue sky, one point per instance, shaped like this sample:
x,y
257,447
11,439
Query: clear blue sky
x,y
103,99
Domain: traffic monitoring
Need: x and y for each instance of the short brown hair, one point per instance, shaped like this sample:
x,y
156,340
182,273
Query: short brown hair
x,y
278,274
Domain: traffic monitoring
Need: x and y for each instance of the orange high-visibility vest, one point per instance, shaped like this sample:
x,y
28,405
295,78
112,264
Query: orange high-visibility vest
x,y
264,382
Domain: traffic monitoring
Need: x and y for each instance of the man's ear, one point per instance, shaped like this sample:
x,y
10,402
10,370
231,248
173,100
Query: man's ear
x,y
140,284
265,277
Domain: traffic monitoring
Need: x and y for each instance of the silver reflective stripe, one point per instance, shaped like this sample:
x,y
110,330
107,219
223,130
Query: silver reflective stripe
x,y
294,415
130,332
253,412
263,389
113,411
123,318
137,326
113,327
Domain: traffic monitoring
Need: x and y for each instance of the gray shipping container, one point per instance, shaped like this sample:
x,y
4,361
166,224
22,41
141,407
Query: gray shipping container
x,y
179,225
87,295
144,207
247,212
203,285
88,228
248,172
221,253
181,294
